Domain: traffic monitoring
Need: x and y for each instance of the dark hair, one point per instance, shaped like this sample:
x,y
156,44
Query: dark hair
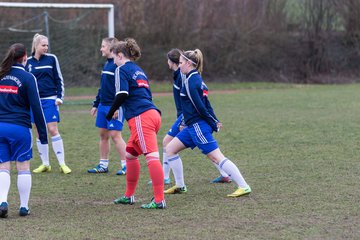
x,y
174,55
196,58
14,54
128,47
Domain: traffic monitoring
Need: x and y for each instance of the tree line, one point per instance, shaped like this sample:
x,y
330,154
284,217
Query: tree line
x,y
295,41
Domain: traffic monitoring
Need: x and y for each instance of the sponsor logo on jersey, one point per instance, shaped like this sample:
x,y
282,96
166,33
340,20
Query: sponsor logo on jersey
x,y
205,93
142,83
9,89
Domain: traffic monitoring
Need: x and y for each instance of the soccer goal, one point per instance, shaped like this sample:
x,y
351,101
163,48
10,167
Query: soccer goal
x,y
74,30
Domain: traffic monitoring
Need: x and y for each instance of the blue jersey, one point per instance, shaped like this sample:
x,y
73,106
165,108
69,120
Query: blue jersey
x,y
48,74
131,80
178,83
19,93
195,103
106,93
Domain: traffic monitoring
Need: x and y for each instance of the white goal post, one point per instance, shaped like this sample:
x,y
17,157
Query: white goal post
x,y
110,7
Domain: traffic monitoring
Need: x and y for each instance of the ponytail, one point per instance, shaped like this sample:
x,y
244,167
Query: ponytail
x,y
14,55
196,58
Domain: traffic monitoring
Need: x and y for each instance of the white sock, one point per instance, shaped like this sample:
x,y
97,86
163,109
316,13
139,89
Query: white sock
x,y
24,187
123,163
224,174
177,168
4,185
58,147
232,170
104,162
166,166
44,152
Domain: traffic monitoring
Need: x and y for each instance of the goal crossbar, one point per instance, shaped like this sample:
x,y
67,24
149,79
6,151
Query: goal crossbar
x,y
110,7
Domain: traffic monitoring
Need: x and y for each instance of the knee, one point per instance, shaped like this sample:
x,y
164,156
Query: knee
x,y
116,138
167,139
170,151
5,166
53,130
104,137
23,166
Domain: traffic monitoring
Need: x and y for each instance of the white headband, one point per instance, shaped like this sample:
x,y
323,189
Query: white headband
x,y
188,59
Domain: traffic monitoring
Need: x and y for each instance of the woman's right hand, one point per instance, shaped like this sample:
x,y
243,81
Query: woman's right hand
x,y
93,111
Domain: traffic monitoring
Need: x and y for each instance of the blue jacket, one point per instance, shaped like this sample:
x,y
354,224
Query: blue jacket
x,y
19,93
48,74
178,84
195,103
106,93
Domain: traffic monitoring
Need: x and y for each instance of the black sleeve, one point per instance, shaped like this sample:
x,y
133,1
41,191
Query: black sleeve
x,y
118,101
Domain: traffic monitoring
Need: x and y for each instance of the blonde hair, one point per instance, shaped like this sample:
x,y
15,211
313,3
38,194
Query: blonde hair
x,y
36,40
196,58
128,47
110,40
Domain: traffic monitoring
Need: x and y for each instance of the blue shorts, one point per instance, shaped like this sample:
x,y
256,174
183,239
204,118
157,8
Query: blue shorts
x,y
198,135
113,124
15,143
51,111
174,130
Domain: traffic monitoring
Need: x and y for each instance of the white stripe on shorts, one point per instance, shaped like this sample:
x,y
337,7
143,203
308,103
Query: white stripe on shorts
x,y
140,133
199,133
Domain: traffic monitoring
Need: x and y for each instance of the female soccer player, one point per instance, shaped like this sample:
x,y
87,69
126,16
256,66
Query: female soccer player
x,y
46,69
18,93
144,120
173,62
101,107
201,122
173,57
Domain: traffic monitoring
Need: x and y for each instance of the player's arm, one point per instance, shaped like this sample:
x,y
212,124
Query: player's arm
x,y
195,91
59,82
96,103
39,119
122,91
118,101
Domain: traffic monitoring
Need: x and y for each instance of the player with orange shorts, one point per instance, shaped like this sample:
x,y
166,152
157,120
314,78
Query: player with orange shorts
x,y
144,120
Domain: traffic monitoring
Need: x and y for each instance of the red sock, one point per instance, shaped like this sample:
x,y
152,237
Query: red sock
x,y
132,176
157,177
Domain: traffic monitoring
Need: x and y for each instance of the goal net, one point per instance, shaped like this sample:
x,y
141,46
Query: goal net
x,y
74,34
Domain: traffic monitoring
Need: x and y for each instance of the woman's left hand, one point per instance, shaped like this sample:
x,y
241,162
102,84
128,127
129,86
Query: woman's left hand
x,y
58,102
116,114
219,126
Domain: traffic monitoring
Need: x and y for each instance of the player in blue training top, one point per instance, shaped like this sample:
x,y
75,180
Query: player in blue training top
x,y
173,57
201,122
101,107
18,93
46,69
144,120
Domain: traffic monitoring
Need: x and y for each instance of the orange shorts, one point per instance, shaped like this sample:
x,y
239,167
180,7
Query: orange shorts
x,y
143,130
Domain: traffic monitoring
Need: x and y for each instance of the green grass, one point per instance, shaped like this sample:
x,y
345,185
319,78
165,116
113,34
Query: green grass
x,y
162,86
298,148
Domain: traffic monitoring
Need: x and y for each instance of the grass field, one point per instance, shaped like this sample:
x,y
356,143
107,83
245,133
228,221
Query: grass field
x,y
297,146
